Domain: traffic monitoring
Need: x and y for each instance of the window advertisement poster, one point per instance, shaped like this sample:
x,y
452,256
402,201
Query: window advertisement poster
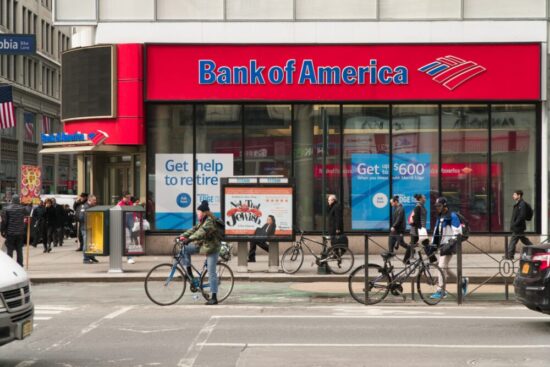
x,y
370,191
371,187
31,184
174,204
134,235
259,212
411,175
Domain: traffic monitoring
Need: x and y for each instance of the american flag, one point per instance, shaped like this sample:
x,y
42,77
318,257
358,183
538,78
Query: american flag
x,y
46,124
28,117
7,113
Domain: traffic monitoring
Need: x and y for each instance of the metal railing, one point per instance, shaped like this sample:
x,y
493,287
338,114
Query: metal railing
x,y
505,269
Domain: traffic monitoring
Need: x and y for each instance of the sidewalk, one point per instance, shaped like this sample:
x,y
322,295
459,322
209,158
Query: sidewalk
x,y
64,264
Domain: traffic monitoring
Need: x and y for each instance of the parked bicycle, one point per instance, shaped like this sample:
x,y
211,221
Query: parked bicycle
x,y
382,280
338,258
165,284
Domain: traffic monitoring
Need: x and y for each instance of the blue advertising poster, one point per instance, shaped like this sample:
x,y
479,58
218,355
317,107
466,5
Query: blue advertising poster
x,y
370,191
174,204
411,175
370,187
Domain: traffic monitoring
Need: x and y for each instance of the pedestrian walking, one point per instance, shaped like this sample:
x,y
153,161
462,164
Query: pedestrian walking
x,y
417,221
335,221
38,216
77,207
204,238
446,237
92,201
60,219
126,200
398,226
266,230
521,212
51,224
13,228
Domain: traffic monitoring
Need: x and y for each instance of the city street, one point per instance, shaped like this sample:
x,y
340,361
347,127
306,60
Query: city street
x,y
270,324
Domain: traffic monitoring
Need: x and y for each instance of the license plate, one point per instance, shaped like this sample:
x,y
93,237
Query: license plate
x,y
525,269
27,328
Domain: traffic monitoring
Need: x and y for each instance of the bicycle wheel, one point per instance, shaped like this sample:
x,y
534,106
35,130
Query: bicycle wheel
x,y
292,259
427,283
340,259
378,284
226,280
165,284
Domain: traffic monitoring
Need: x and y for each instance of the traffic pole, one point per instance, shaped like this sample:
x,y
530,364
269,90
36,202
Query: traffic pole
x,y
28,242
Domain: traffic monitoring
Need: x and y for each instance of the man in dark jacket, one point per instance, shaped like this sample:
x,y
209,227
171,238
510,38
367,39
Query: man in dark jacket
x,y
13,227
39,224
335,220
77,207
398,226
517,225
60,219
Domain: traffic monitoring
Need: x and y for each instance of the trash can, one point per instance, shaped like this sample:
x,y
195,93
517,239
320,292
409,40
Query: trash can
x,y
97,231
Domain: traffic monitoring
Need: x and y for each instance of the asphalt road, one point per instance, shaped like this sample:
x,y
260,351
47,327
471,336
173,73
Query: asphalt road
x,y
267,324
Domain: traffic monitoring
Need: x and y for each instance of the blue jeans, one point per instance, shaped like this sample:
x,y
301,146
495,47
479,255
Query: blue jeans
x,y
84,246
211,262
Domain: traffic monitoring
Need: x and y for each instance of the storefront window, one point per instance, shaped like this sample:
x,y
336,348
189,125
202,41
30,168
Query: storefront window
x,y
366,144
314,170
513,161
268,140
415,155
169,131
464,169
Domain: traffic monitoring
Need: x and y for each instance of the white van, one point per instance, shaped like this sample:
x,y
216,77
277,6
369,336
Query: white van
x,y
16,308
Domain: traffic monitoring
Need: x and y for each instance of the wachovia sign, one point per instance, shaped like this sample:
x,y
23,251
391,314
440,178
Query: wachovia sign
x,y
301,72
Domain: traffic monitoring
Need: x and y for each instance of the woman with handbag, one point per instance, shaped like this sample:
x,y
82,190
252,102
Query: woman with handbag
x,y
417,221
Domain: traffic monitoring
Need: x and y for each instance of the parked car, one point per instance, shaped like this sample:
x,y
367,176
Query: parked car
x,y
16,307
532,284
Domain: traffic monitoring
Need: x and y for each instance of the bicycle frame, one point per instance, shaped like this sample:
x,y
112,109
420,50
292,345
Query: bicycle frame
x,y
177,262
407,271
302,242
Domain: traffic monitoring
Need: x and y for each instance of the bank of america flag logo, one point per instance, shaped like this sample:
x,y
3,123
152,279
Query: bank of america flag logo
x,y
98,137
7,113
451,71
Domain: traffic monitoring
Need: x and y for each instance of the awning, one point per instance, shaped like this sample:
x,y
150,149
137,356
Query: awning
x,y
88,148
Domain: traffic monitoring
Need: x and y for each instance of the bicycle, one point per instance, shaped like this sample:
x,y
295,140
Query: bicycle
x,y
382,279
338,258
165,283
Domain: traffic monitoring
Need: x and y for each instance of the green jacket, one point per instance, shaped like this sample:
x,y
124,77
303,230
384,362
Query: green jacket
x,y
205,235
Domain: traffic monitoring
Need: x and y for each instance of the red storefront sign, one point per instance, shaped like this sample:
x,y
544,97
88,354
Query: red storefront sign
x,y
343,72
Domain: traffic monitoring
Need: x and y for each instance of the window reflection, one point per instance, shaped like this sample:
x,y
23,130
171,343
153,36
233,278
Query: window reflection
x,y
464,170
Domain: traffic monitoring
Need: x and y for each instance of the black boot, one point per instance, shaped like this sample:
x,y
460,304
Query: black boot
x,y
213,300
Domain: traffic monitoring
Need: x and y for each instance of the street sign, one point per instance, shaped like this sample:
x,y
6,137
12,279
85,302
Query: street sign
x,y
17,44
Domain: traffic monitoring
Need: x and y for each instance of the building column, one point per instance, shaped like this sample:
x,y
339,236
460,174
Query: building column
x,y
55,173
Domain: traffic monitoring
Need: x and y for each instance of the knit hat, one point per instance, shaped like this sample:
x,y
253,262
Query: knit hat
x,y
204,206
441,201
15,199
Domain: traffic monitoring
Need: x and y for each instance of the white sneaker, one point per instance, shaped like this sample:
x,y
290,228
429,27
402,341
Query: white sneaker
x,y
131,261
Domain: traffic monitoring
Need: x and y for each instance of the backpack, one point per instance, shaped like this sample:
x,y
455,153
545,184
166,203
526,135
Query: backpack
x,y
528,211
465,226
220,229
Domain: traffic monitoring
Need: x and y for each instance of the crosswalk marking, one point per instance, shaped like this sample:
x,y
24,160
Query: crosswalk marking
x,y
47,312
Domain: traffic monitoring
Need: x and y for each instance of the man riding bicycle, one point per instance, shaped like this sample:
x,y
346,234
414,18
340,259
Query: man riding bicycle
x,y
206,240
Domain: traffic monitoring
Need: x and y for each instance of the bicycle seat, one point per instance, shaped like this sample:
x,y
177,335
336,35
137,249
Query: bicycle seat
x,y
386,255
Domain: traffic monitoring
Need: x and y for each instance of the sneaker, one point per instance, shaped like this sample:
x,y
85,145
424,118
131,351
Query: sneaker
x,y
195,282
93,259
87,261
131,261
439,295
465,282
